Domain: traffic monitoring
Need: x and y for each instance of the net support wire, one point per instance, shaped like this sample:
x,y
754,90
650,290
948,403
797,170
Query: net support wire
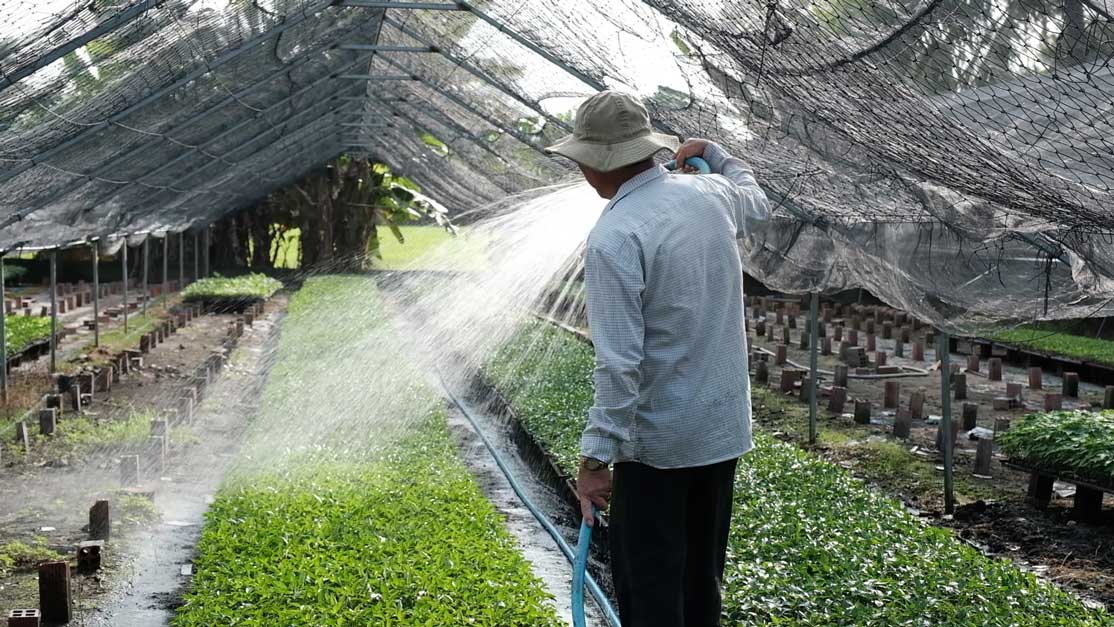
x,y
205,67
237,167
113,163
109,25
477,72
203,146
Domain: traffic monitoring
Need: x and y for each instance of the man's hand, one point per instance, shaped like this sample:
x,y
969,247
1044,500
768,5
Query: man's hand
x,y
691,148
594,488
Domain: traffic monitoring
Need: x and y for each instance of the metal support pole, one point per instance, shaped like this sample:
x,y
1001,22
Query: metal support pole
x,y
96,296
181,260
165,264
206,269
943,354
124,266
196,257
813,344
3,336
53,310
146,268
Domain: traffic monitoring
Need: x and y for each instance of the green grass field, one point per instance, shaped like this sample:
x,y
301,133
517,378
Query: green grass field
x,y
418,240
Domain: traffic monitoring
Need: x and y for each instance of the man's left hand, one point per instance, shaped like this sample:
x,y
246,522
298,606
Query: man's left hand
x,y
594,488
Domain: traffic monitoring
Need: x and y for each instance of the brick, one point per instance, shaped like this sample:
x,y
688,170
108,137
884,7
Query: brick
x,y
1053,402
837,399
862,412
994,369
970,416
903,424
24,618
1070,387
891,394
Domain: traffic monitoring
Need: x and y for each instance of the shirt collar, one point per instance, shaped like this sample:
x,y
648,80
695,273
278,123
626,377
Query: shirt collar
x,y
635,182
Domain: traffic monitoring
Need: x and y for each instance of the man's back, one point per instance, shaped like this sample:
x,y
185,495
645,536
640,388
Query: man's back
x,y
665,305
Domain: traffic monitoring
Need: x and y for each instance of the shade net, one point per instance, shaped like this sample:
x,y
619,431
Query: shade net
x,y
953,157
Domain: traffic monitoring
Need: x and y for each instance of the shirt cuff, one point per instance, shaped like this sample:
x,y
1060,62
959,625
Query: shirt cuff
x,y
599,447
715,155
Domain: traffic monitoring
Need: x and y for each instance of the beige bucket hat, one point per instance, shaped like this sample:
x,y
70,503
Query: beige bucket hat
x,y
612,130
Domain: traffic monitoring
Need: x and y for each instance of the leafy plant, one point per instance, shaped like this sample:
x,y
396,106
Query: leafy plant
x,y
23,331
12,272
1049,339
1078,442
19,555
245,287
810,545
137,510
375,520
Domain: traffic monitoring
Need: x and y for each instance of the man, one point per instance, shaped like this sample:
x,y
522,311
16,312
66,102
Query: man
x,y
672,396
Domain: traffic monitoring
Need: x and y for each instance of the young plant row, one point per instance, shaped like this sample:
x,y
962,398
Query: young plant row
x,y
1050,338
351,506
23,331
1076,442
245,287
809,544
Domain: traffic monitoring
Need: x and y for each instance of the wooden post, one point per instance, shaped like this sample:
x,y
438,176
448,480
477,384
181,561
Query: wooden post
x,y
840,377
973,362
22,437
837,399
916,404
181,259
146,271
100,521
1040,490
1108,398
959,383
1035,378
165,264
54,592
196,257
780,354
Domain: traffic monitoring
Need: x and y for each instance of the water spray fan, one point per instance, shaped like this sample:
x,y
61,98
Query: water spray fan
x,y
701,165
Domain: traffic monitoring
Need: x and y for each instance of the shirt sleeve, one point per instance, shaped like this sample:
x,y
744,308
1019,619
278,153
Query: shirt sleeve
x,y
751,204
614,281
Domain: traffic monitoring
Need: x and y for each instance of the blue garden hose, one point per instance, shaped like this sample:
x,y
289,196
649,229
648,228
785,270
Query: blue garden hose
x,y
701,165
579,569
581,578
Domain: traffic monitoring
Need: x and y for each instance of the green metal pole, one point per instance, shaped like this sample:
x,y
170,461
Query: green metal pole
x,y
146,267
165,264
53,310
813,343
3,336
943,353
181,260
196,257
124,265
96,296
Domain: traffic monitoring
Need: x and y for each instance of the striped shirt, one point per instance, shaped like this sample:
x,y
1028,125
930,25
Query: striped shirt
x,y
665,307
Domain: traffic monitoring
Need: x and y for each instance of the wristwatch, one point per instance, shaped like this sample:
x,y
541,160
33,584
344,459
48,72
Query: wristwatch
x,y
592,464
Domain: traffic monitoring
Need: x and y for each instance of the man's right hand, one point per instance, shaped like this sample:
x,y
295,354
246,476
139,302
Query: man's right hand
x,y
691,148
594,488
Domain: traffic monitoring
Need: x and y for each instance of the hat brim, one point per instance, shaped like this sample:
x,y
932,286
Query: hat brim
x,y
608,157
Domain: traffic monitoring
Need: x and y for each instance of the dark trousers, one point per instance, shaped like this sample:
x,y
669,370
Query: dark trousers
x,y
668,531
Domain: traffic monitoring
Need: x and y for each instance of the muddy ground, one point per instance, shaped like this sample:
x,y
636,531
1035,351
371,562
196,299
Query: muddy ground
x,y
45,496
992,513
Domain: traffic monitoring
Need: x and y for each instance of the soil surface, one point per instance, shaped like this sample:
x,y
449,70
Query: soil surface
x,y
992,513
45,495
